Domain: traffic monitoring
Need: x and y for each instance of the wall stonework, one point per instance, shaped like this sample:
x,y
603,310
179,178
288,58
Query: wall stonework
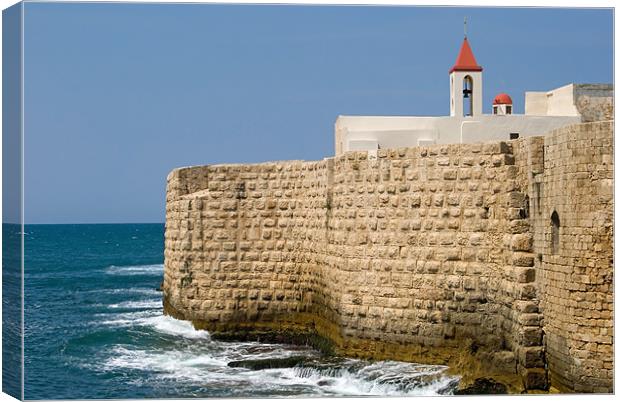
x,y
240,239
412,254
577,280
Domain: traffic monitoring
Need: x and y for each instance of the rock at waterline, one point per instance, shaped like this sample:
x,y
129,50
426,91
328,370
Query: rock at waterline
x,y
450,388
161,287
263,364
483,386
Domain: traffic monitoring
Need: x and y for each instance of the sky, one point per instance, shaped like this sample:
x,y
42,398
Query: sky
x,y
118,95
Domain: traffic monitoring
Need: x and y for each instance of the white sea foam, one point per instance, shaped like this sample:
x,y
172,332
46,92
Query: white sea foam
x,y
258,351
114,291
207,367
151,269
137,304
171,326
125,319
377,379
204,363
153,319
179,364
202,366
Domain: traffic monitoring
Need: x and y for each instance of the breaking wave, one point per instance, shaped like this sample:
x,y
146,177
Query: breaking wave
x,y
204,362
137,304
350,378
151,269
171,326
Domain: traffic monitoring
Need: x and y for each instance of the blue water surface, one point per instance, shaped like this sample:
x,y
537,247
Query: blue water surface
x,y
73,278
11,310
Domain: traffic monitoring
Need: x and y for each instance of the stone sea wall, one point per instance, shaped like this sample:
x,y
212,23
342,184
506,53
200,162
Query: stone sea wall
x,y
415,254
242,241
577,278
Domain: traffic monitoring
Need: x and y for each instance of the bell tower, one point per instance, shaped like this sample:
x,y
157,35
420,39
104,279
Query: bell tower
x,y
466,84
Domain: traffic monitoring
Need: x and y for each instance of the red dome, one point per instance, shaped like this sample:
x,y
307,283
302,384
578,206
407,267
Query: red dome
x,y
502,99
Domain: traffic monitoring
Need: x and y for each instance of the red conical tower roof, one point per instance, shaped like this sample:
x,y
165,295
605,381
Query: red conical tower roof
x,y
466,60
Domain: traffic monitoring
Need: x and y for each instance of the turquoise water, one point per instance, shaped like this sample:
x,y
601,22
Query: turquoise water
x,y
11,310
94,328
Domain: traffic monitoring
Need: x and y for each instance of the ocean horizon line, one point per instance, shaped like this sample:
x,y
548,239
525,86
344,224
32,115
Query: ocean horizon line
x,y
86,223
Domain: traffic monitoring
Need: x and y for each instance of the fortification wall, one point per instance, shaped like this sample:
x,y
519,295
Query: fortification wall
x,y
416,254
241,240
430,250
577,272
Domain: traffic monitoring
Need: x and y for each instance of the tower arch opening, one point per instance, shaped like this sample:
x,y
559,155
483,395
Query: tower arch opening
x,y
468,96
555,233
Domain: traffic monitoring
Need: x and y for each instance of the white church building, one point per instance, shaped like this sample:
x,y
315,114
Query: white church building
x,y
544,111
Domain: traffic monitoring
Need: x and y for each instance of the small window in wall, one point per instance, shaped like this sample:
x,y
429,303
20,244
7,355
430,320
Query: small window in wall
x,y
514,136
555,232
494,109
524,212
508,109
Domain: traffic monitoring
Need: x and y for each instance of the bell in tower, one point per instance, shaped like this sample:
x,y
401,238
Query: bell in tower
x,y
467,96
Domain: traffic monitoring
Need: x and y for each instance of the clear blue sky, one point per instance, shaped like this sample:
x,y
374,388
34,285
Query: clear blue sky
x,y
117,95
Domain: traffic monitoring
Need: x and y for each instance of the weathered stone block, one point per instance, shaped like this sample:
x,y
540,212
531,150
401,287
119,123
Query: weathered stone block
x,y
449,174
534,378
525,274
526,291
521,242
530,319
521,259
530,336
526,306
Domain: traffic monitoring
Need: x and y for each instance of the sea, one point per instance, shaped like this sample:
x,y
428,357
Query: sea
x,y
95,329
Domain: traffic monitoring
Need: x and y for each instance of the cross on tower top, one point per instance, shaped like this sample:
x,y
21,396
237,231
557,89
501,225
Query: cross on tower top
x,y
465,26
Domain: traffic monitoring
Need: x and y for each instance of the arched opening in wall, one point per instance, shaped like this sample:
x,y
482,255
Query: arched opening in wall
x,y
555,232
468,96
